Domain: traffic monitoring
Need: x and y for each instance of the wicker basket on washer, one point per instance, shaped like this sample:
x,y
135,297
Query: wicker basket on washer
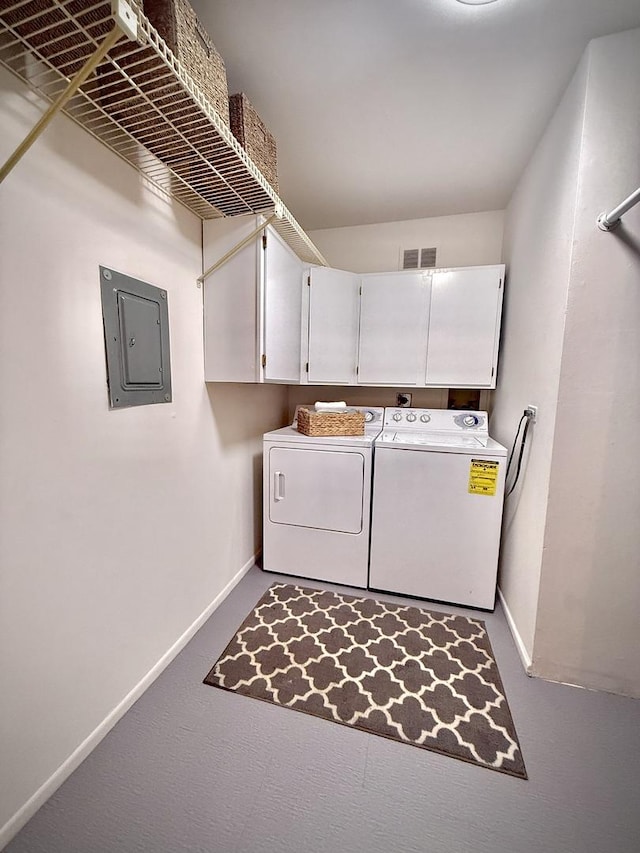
x,y
186,38
311,422
252,133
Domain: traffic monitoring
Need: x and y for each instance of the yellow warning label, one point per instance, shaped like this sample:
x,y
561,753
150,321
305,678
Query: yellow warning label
x,y
483,477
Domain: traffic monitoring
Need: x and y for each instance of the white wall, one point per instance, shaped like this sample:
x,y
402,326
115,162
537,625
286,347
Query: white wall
x,y
537,252
464,240
571,345
426,398
118,528
589,610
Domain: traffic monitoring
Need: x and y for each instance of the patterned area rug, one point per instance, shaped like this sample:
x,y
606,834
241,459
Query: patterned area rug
x,y
412,675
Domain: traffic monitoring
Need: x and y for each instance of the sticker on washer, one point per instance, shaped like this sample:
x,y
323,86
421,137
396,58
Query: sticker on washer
x,y
483,477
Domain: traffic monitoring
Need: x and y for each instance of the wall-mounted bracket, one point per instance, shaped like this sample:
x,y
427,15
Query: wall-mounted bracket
x,y
92,63
234,251
609,221
125,17
605,225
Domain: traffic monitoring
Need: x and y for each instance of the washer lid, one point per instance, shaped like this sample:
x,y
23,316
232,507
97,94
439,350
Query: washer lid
x,y
445,442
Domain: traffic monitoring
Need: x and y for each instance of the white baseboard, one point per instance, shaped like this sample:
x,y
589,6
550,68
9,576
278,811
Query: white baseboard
x,y
522,650
26,812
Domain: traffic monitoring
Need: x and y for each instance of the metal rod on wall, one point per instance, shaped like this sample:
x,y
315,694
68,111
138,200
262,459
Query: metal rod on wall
x,y
608,221
234,251
58,105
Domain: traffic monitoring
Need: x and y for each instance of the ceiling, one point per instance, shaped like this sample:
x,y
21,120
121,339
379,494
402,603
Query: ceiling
x,y
401,109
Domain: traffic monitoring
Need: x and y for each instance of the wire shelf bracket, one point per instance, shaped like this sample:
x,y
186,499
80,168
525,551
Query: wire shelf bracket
x,y
235,249
90,65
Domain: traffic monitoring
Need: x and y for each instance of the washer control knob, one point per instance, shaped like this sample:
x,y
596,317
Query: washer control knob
x,y
470,421
425,418
397,416
368,417
411,417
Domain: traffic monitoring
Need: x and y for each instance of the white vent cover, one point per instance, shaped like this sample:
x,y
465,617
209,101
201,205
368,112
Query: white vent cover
x,y
422,259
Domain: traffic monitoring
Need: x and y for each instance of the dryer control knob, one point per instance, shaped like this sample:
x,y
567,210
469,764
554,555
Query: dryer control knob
x,y
397,416
470,420
411,418
425,418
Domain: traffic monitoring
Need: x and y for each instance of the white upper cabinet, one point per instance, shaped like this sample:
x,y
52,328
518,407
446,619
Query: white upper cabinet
x,y
282,302
464,327
333,326
268,318
394,315
252,305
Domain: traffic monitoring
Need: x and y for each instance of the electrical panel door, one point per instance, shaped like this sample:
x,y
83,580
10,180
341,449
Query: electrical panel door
x,y
136,331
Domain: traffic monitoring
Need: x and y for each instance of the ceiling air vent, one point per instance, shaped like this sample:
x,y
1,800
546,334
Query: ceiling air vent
x,y
427,258
423,259
411,259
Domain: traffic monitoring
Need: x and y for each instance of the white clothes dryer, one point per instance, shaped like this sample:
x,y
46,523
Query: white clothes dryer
x,y
438,493
317,503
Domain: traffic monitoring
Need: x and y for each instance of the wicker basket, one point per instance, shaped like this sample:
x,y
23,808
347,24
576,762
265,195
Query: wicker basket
x,y
186,38
251,132
311,422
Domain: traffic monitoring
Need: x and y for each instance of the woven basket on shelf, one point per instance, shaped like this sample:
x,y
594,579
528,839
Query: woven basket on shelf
x,y
311,422
186,38
251,132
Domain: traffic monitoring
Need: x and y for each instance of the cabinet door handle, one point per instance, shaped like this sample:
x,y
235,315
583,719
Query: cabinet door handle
x,y
278,486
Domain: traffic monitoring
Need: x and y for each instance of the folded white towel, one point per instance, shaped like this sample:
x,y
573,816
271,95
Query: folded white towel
x,y
331,407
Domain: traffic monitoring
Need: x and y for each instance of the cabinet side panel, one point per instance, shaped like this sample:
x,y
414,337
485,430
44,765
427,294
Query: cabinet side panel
x,y
231,303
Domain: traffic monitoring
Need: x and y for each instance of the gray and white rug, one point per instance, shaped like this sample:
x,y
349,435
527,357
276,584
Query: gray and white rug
x,y
416,676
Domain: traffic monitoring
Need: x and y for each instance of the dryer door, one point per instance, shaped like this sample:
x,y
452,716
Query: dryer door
x,y
323,489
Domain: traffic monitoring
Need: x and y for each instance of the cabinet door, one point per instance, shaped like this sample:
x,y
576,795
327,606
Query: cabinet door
x,y
464,327
282,302
394,310
231,302
333,326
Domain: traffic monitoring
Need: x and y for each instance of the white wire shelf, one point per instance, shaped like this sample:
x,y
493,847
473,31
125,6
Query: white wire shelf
x,y
143,105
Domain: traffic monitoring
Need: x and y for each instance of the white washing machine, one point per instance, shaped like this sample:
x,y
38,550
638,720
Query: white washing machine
x,y
317,503
438,491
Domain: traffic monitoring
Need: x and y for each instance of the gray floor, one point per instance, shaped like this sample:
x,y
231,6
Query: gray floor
x,y
192,768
